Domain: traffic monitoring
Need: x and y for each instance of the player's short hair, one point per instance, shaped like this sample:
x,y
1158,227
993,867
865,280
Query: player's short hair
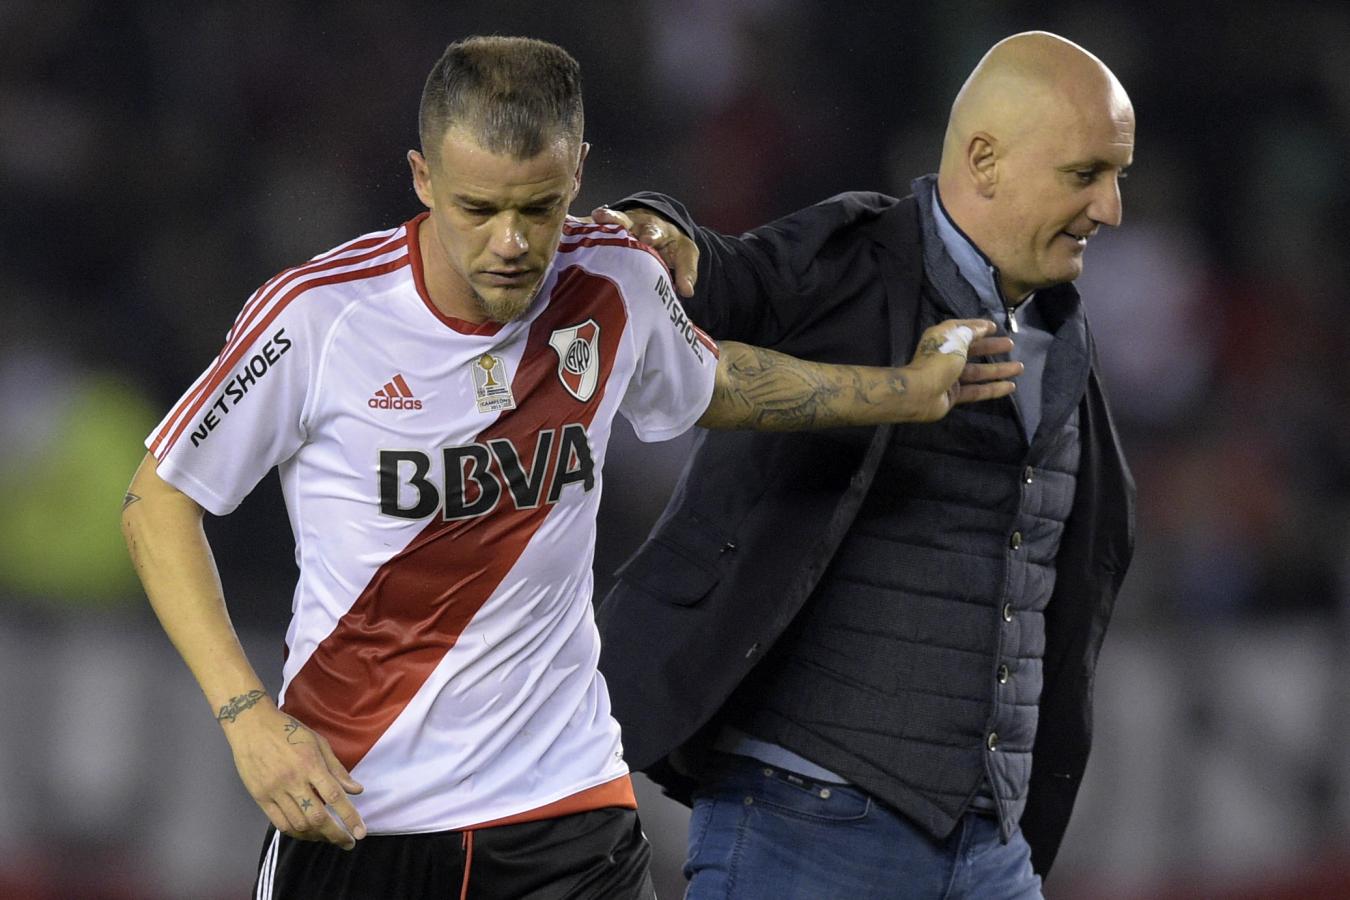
x,y
514,94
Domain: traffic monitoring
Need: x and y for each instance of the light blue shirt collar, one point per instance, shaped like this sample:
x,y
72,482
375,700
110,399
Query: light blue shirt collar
x,y
975,267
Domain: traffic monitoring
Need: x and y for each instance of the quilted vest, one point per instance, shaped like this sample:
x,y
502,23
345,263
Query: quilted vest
x,y
914,670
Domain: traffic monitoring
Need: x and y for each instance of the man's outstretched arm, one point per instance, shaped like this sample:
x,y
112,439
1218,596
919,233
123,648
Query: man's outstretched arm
x,y
762,285
289,771
764,390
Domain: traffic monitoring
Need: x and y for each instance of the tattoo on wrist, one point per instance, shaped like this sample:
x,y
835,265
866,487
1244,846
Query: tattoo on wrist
x,y
231,711
129,499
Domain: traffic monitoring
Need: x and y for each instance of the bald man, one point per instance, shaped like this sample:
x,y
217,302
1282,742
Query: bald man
x,y
865,657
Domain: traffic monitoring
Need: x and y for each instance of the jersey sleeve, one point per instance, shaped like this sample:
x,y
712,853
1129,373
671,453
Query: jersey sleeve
x,y
244,414
672,383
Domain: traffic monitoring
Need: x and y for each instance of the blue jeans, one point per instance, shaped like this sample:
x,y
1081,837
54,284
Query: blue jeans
x,y
762,832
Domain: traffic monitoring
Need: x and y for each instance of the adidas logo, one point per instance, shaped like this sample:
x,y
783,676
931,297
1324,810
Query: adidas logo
x,y
394,395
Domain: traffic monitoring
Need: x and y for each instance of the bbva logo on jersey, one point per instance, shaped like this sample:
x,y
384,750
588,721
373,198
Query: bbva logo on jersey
x,y
475,475
578,350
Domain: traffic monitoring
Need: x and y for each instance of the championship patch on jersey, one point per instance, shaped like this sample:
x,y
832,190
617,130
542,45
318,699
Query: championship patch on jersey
x,y
578,351
492,384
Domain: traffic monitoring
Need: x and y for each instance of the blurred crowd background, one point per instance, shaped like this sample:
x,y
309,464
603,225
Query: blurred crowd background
x,y
160,160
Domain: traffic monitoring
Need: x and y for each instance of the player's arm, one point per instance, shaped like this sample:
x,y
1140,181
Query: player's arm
x,y
763,390
289,771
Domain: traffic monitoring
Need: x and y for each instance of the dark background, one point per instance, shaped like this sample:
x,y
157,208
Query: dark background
x,y
159,161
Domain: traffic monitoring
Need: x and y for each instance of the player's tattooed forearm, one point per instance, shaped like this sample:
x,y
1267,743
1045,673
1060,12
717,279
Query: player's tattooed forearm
x,y
129,499
237,705
763,389
766,390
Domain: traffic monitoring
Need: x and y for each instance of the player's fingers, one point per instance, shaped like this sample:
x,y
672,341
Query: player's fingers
x,y
953,337
335,766
275,816
296,821
974,393
332,831
991,346
340,806
318,824
978,328
978,372
603,215
304,834
334,793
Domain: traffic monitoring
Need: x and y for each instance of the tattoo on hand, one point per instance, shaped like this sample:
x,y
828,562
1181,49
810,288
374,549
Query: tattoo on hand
x,y
291,728
929,346
237,705
129,499
306,803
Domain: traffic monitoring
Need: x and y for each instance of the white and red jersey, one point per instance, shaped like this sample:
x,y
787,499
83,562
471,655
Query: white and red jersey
x,y
442,481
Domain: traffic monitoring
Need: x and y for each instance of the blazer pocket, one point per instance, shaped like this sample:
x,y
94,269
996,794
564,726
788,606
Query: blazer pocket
x,y
679,565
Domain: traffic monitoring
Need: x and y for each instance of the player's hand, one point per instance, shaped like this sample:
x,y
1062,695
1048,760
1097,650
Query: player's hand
x,y
294,777
941,377
676,249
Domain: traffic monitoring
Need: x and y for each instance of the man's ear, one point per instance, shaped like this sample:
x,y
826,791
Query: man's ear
x,y
982,163
581,164
421,175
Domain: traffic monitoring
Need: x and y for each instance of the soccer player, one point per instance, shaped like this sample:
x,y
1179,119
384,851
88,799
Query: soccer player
x,y
438,399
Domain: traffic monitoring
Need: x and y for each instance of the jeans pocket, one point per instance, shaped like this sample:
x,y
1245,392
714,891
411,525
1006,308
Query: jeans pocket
x,y
795,795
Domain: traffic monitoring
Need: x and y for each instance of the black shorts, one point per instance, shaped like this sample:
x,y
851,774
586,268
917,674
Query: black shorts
x,y
597,855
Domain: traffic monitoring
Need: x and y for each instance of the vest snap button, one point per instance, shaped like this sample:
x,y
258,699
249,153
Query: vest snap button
x,y
1015,541
1003,674
1027,475
992,742
824,793
1007,612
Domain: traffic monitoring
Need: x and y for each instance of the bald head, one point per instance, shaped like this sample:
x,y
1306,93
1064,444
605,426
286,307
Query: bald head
x,y
1023,83
1032,132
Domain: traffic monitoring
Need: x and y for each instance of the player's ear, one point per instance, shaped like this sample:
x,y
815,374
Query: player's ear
x,y
421,175
581,164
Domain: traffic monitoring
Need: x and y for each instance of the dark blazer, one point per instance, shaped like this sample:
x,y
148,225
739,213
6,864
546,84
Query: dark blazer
x,y
756,517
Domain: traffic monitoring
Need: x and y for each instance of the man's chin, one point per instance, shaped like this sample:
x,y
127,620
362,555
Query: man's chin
x,y
1065,271
506,306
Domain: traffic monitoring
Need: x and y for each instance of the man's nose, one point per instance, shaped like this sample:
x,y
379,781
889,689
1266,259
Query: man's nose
x,y
508,239
1106,206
